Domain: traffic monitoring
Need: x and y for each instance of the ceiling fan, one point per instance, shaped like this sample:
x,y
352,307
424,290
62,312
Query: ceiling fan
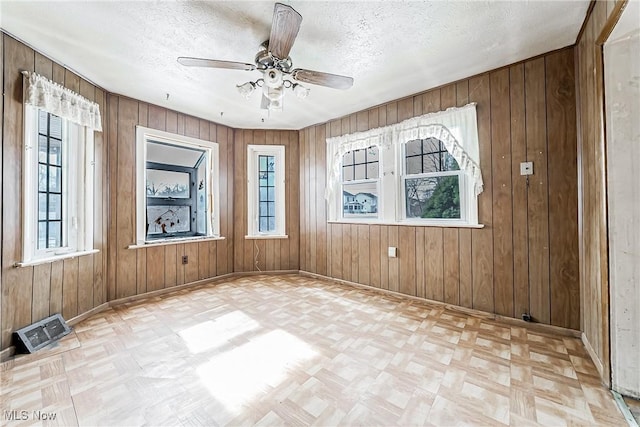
x,y
274,62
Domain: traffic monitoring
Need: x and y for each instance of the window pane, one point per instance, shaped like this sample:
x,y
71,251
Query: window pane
x,y
55,179
55,234
412,148
42,235
263,224
431,163
55,206
359,156
168,219
450,164
42,149
271,163
55,126
372,154
373,170
347,159
42,121
361,171
42,178
271,178
347,173
55,152
42,206
436,197
271,223
271,193
264,194
165,184
263,163
272,208
432,145
414,165
360,200
264,210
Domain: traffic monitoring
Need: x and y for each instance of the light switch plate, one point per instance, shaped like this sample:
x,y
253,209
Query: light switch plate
x,y
526,168
392,252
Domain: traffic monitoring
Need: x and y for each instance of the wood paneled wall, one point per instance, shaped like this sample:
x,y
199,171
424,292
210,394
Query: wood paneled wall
x,y
137,271
266,254
594,262
525,259
73,286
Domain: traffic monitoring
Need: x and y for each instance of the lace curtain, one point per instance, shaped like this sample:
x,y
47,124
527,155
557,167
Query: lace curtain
x,y
56,99
457,128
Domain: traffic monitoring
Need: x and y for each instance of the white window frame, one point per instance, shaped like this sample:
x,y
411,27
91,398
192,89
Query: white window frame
x,y
253,151
466,205
77,189
362,217
143,135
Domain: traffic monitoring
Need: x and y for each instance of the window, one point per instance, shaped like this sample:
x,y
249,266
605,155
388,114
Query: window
x,y
422,171
265,191
58,187
431,181
360,174
177,181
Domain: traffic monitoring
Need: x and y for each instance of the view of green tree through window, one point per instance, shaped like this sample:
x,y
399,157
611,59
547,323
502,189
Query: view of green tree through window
x,y
431,180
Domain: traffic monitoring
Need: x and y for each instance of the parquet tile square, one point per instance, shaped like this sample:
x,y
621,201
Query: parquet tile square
x,y
291,350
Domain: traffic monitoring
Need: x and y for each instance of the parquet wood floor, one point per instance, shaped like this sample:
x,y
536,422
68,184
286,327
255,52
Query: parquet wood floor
x,y
292,350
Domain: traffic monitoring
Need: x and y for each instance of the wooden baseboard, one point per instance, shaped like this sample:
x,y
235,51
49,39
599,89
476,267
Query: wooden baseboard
x,y
594,356
538,327
79,318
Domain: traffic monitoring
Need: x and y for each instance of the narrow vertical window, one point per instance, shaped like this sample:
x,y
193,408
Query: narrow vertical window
x,y
360,175
266,194
50,183
265,191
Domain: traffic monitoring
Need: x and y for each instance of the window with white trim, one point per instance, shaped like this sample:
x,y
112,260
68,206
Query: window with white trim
x,y
423,171
431,181
266,191
360,176
58,171
177,187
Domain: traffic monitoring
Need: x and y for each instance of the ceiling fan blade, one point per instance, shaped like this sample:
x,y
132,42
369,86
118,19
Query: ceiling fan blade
x,y
322,79
213,63
284,29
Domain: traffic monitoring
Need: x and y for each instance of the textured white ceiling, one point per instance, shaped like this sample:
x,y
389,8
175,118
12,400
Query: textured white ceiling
x,y
392,49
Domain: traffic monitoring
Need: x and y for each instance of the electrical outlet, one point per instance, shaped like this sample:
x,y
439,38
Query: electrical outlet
x,y
393,252
185,259
526,168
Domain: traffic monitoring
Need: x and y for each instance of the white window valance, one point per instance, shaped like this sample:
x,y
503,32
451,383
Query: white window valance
x,y
457,128
65,103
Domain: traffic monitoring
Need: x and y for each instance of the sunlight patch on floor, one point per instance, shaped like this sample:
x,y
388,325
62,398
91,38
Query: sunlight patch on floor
x,y
214,333
239,375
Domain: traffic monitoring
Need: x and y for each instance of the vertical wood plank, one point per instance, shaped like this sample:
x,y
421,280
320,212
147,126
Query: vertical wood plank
x,y
519,191
451,265
482,239
346,251
364,269
374,255
538,201
141,271
421,274
57,276
170,267
321,206
41,291
85,283
70,288
191,268
394,265
157,264
434,264
502,190
466,274
407,258
337,251
563,192
384,256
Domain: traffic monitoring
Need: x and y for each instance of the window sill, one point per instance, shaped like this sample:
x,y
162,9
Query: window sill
x,y
441,224
55,258
164,242
266,236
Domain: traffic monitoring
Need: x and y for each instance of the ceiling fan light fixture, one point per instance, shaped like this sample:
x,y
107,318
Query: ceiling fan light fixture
x,y
300,91
246,89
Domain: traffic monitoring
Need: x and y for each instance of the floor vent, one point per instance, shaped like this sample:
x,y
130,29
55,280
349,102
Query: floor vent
x,y
39,334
